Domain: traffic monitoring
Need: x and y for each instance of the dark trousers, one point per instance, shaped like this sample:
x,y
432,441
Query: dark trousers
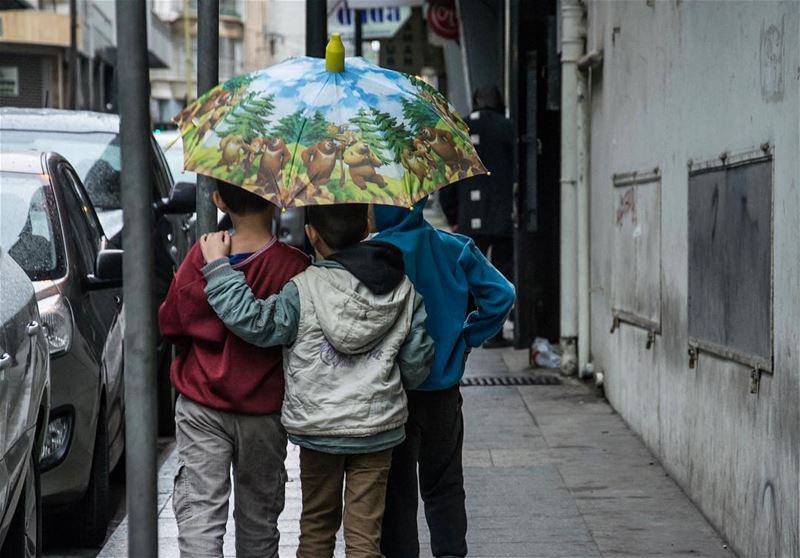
x,y
434,439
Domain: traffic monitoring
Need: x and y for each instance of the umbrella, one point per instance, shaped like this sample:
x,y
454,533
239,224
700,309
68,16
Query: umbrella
x,y
312,131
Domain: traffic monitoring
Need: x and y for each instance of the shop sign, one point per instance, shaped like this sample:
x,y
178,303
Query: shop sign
x,y
443,19
379,23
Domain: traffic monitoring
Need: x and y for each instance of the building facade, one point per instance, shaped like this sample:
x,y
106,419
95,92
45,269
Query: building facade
x,y
274,31
34,53
173,84
693,121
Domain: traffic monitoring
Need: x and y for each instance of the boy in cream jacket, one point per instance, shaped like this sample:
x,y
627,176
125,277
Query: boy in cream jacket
x,y
353,328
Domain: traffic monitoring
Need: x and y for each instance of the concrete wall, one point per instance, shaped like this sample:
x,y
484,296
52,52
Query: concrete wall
x,y
688,80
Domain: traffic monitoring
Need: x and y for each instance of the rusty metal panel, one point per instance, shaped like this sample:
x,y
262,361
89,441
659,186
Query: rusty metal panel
x,y
636,271
730,260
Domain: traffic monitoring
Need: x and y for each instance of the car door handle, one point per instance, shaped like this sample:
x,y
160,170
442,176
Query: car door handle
x,y
33,328
5,361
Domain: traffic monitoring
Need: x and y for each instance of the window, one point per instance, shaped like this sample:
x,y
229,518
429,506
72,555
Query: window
x,y
161,176
29,230
80,221
730,258
94,155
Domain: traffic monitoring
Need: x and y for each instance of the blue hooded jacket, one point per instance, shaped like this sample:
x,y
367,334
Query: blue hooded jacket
x,y
445,268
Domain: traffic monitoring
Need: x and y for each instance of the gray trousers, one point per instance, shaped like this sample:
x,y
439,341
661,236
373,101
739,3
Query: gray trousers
x,y
208,443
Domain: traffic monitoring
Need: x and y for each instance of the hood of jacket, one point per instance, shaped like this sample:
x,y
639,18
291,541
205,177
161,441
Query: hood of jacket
x,y
354,313
379,265
391,218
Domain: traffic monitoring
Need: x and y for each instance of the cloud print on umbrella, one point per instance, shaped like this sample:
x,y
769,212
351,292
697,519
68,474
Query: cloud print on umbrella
x,y
297,134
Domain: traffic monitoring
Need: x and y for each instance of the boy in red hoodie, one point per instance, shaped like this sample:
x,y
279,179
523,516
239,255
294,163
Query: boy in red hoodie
x,y
228,412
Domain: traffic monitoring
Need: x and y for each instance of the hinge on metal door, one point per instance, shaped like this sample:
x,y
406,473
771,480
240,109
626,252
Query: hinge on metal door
x,y
694,353
651,339
614,324
755,380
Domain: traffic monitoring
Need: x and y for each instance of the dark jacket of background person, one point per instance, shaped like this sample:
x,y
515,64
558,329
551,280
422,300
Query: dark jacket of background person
x,y
483,205
213,367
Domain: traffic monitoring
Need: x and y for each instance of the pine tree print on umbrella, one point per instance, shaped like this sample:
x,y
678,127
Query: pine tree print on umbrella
x,y
298,134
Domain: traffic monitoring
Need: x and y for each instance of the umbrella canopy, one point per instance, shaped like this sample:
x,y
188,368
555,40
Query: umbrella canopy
x,y
313,131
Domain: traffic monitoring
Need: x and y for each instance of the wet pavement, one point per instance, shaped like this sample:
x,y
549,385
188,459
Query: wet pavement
x,y
550,471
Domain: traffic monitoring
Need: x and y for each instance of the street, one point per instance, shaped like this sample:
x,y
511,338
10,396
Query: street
x,y
314,218
551,471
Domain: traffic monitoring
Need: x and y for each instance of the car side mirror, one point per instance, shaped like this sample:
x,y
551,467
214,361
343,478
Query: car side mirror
x,y
107,270
182,199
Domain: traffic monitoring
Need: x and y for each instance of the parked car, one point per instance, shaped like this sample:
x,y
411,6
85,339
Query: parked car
x,y
24,406
90,142
289,225
50,229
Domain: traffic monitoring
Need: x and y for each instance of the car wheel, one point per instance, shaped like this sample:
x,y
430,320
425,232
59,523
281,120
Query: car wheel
x,y
165,394
93,510
24,537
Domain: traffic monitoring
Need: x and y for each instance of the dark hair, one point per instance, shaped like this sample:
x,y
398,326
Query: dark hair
x,y
488,97
339,226
239,200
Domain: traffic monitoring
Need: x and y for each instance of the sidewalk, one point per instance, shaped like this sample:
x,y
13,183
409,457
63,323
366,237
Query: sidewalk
x,y
551,471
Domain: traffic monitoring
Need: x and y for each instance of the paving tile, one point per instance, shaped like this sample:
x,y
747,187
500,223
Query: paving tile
x,y
550,471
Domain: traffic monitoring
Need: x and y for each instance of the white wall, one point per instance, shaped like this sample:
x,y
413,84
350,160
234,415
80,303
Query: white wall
x,y
682,80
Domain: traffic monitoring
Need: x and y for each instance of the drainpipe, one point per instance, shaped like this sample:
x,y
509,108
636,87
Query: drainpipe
x,y
583,126
571,51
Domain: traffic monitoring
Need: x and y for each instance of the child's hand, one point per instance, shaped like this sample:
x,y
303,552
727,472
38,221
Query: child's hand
x,y
215,246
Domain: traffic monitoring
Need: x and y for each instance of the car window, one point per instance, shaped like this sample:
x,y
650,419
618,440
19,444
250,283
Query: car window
x,y
93,224
95,156
172,148
78,224
162,177
29,225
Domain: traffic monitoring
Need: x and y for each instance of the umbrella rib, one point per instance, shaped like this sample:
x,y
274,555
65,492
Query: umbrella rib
x,y
294,193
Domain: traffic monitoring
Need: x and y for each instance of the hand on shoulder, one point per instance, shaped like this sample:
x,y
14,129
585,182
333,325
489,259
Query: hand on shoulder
x,y
215,246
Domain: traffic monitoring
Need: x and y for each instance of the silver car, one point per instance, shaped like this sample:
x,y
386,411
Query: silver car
x,y
24,407
49,227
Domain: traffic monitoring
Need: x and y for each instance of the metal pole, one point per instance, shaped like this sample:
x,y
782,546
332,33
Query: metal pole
x,y
316,27
207,77
187,52
359,31
73,54
139,273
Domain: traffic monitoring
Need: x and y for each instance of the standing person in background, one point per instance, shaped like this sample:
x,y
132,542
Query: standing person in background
x,y
482,207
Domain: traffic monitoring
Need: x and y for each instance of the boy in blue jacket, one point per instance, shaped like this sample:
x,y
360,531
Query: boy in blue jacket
x,y
445,269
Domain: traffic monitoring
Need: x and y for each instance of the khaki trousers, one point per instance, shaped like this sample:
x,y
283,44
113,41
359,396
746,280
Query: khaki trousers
x,y
323,476
209,443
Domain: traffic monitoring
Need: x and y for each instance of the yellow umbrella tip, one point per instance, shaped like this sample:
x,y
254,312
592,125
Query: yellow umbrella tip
x,y
334,54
